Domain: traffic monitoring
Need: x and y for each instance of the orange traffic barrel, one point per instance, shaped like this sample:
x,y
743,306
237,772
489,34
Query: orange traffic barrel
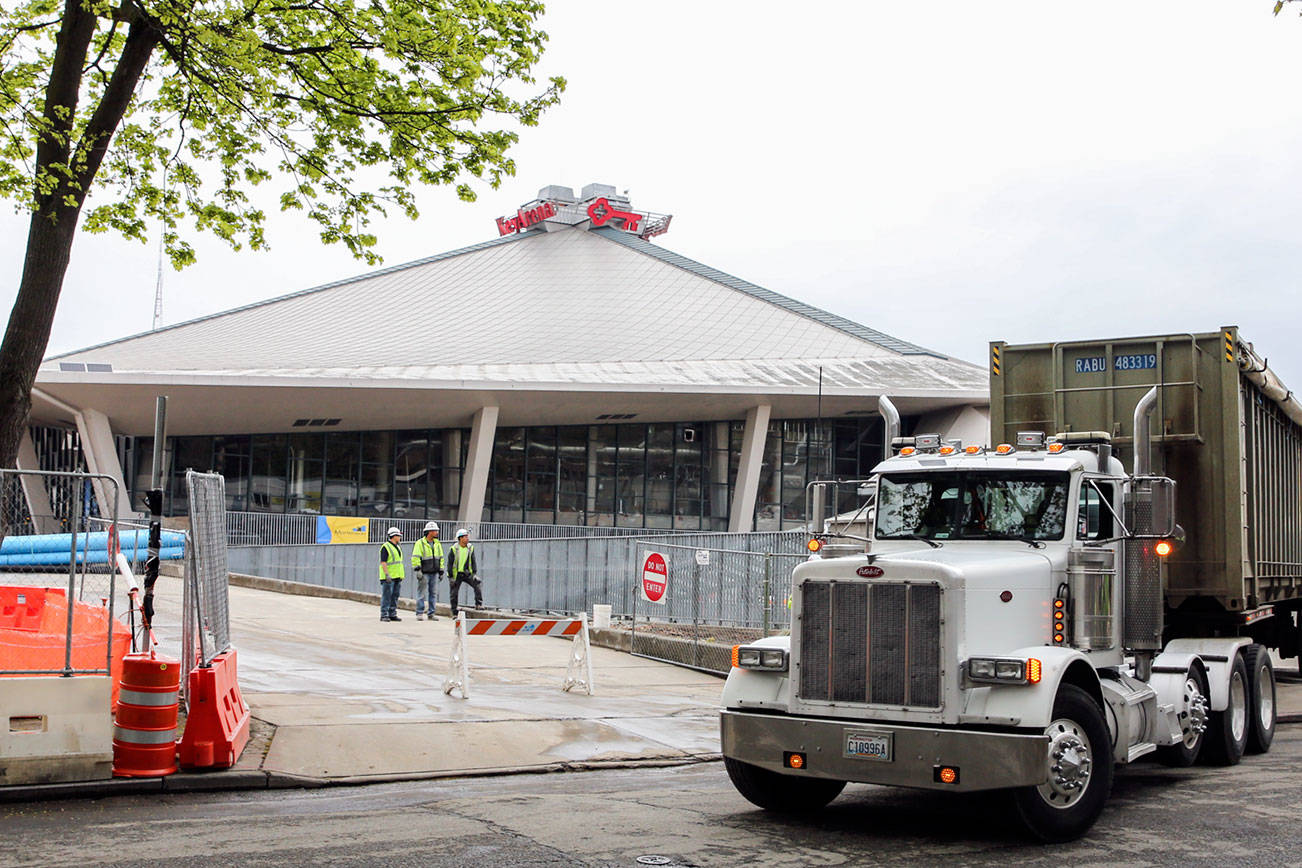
x,y
144,731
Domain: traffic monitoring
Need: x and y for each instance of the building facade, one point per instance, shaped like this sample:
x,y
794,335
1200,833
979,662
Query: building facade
x,y
579,374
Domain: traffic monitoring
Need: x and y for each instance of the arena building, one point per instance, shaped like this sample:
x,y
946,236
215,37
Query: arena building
x,y
571,371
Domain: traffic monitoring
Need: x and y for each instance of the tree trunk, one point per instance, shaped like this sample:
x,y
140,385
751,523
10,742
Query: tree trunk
x,y
49,247
54,219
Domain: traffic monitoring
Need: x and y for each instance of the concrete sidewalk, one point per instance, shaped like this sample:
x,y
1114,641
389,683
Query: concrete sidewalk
x,y
340,698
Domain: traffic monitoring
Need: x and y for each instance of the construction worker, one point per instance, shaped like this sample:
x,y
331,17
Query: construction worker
x,y
462,568
427,564
390,575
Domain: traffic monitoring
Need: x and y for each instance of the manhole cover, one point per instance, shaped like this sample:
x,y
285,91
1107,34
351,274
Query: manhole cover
x,y
654,860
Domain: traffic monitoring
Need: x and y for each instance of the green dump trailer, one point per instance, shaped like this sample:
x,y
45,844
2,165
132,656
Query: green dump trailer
x,y
1225,429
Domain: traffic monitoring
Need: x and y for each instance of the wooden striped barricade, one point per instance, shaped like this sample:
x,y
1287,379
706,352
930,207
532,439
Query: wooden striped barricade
x,y
577,674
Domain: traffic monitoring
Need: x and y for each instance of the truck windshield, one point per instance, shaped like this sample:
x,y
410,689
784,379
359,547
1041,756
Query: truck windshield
x,y
972,505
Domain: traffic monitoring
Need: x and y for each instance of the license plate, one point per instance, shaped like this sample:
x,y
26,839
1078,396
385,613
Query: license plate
x,y
868,745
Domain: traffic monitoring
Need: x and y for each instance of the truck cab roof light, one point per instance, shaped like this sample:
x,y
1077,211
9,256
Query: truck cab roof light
x,y
1031,439
1005,449
947,450
974,450
907,451
927,442
1056,447
901,442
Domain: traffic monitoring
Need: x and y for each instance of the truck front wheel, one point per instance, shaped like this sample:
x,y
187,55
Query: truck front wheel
x,y
1227,732
785,794
1078,765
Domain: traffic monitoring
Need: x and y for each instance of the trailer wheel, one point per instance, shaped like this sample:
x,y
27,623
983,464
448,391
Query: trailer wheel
x,y
1227,733
1193,723
1078,764
1261,698
784,794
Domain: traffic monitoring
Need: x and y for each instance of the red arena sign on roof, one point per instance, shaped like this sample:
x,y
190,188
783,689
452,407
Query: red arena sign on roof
x,y
524,219
599,205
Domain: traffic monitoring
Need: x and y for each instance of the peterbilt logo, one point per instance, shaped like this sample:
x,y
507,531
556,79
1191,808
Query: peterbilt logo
x,y
871,572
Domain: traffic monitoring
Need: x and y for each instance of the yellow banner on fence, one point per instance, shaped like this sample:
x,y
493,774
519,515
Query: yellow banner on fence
x,y
342,529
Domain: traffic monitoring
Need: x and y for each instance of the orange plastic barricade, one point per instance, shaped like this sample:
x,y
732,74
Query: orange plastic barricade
x,y
144,730
217,728
33,633
577,674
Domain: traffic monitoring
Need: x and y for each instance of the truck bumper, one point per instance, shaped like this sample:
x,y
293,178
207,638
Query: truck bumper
x,y
985,760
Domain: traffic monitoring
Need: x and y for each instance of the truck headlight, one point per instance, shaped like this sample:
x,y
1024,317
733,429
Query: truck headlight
x,y
1003,670
754,657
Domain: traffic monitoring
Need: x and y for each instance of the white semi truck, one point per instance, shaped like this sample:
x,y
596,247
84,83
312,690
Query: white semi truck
x,y
1027,616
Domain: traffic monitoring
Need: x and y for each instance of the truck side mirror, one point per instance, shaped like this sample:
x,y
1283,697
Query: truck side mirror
x,y
1150,507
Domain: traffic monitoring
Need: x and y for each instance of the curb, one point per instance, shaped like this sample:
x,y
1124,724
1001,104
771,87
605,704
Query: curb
x,y
258,779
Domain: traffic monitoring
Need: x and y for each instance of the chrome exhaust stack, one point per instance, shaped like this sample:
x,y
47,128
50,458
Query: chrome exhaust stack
x,y
892,418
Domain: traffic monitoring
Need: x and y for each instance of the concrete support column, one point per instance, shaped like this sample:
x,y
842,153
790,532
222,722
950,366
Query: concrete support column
x,y
474,484
102,457
746,486
34,490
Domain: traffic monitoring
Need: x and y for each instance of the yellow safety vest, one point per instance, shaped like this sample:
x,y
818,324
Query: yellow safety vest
x,y
461,557
394,562
425,549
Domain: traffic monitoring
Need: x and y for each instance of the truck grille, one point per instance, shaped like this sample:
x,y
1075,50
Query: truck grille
x,y
875,643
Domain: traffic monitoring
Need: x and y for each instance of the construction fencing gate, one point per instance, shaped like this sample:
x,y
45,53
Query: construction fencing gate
x,y
698,595
206,618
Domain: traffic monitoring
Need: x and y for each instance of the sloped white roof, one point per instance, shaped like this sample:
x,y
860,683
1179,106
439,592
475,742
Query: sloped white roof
x,y
565,306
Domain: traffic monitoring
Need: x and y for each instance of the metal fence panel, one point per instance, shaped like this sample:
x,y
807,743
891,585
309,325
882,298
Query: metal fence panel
x,y
210,572
58,540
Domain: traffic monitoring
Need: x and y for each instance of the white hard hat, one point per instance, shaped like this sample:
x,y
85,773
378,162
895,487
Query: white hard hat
x,y
431,526
461,531
393,531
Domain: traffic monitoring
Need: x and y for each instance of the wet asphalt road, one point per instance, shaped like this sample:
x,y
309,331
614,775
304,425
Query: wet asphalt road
x,y
1244,815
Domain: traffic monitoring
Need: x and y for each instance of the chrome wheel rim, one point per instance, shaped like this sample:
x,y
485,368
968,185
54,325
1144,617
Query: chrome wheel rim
x,y
1237,712
1193,718
1265,699
1068,764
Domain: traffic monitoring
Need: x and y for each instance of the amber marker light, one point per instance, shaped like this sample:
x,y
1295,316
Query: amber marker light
x,y
1004,449
907,450
947,450
972,450
735,651
945,774
793,760
814,544
1163,548
1055,448
1033,670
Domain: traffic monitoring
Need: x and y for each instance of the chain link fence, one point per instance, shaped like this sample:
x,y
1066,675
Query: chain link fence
x,y
58,588
715,591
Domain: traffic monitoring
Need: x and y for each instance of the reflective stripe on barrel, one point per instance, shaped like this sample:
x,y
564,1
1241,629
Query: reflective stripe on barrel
x,y
143,736
139,697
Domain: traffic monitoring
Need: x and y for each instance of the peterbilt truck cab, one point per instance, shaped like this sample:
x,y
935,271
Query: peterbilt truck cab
x,y
1002,630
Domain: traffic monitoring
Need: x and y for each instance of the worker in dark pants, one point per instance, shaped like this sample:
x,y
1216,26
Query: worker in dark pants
x,y
391,573
462,569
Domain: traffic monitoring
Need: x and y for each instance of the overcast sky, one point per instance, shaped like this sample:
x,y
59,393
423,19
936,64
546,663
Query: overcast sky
x,y
947,172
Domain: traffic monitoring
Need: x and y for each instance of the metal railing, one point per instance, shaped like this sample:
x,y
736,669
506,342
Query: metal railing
x,y
261,528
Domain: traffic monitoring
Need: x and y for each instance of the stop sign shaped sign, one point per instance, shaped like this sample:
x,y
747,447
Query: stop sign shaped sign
x,y
655,578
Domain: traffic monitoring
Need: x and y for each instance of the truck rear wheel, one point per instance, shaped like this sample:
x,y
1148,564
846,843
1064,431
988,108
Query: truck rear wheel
x,y
1193,722
1261,698
1078,764
785,794
1227,733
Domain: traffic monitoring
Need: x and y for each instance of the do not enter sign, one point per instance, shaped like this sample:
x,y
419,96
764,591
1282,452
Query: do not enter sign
x,y
655,578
